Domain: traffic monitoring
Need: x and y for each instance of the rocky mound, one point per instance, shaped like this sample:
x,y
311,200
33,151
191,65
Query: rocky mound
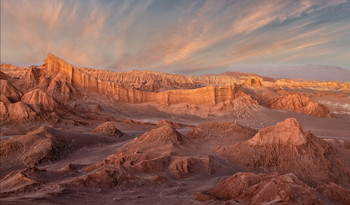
x,y
288,132
17,112
220,129
253,82
299,103
104,177
335,193
17,181
108,128
286,148
12,93
159,150
163,135
39,100
35,147
249,188
170,123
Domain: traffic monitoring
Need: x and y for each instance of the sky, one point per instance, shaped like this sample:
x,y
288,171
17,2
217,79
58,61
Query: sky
x,y
177,36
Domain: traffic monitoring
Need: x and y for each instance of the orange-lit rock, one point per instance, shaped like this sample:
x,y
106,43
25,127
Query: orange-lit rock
x,y
12,93
249,188
286,148
39,100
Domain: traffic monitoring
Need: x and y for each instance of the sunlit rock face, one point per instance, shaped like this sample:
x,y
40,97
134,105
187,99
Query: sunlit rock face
x,y
286,148
202,96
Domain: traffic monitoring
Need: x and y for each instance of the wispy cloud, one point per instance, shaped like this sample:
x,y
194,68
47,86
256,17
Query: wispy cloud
x,y
175,36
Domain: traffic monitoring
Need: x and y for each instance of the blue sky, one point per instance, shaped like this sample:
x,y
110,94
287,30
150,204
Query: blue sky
x,y
182,36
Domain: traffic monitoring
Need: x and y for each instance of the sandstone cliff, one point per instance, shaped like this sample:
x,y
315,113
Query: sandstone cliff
x,y
155,81
202,96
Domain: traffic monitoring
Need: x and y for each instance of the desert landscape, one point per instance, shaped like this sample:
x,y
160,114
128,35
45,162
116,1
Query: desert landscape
x,y
82,135
175,102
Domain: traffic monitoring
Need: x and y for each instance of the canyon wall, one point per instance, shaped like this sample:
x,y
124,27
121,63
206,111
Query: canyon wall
x,y
202,96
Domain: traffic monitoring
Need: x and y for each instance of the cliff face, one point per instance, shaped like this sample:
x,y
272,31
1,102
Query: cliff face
x,y
155,81
202,96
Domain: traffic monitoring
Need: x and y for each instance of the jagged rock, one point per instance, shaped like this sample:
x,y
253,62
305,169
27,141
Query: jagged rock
x,y
4,99
163,135
108,128
39,100
104,178
335,193
12,93
219,129
253,82
12,70
286,148
209,96
249,188
288,132
38,146
170,123
17,181
4,113
299,103
18,112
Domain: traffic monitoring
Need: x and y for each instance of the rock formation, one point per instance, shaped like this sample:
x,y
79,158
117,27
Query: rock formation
x,y
253,82
170,123
219,129
286,148
157,151
39,100
335,193
202,96
249,188
296,102
163,135
12,93
108,128
35,147
17,112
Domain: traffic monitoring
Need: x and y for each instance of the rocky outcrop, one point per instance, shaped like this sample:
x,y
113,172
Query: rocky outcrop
x,y
12,93
158,81
253,82
39,100
286,148
219,129
170,123
17,112
38,146
163,135
335,193
12,70
108,128
249,188
209,96
17,181
159,150
296,102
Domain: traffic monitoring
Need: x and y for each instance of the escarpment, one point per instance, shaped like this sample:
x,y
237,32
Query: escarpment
x,y
202,96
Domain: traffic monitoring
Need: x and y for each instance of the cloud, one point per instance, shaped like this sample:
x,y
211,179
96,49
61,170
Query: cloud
x,y
183,36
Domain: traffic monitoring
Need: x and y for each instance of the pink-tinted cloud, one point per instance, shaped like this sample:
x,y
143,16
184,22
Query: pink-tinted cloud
x,y
186,35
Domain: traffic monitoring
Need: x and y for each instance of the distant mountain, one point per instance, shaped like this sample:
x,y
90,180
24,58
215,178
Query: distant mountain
x,y
313,72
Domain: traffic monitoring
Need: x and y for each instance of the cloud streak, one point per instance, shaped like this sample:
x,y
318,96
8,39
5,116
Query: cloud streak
x,y
185,36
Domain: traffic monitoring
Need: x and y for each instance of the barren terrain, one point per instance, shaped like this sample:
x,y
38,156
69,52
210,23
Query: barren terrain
x,y
74,135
